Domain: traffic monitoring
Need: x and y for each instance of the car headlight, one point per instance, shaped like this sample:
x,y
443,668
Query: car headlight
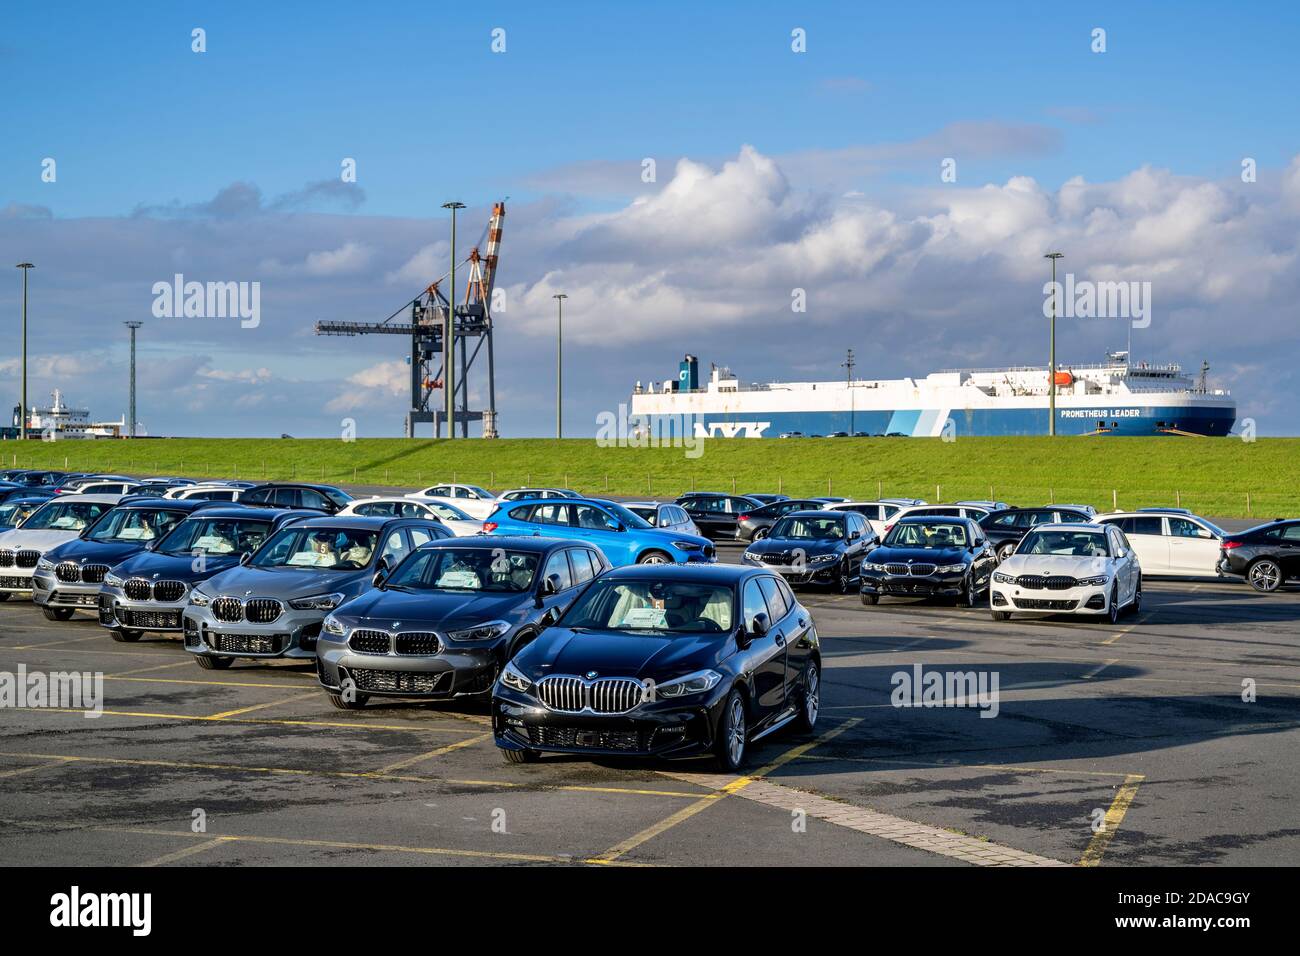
x,y
113,581
872,566
687,545
332,625
514,678
1001,578
480,632
199,599
696,683
44,564
1098,581
317,602
822,558
950,568
752,556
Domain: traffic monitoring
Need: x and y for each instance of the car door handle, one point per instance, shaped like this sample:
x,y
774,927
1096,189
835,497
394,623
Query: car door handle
x,y
780,640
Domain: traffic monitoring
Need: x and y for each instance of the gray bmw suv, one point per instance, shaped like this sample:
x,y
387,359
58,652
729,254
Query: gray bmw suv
x,y
273,603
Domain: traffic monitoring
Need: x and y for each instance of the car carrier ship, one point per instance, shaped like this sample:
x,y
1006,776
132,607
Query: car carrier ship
x,y
1115,397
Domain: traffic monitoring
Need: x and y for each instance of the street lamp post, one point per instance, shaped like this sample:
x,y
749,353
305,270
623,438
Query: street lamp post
x,y
132,326
22,411
559,364
449,333
1051,370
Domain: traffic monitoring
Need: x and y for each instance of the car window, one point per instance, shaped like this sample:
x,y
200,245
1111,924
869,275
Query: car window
x,y
439,491
888,511
927,534
1182,528
1081,544
1071,517
314,499
1142,525
420,536
558,564
592,518
522,514
551,514
382,508
580,559
777,608
753,603
395,548
288,497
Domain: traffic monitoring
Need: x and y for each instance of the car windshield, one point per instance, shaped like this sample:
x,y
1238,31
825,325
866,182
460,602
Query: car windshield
x,y
1079,544
333,549
447,512
926,534
466,569
66,516
809,528
13,512
629,519
338,497
133,524
216,536
684,607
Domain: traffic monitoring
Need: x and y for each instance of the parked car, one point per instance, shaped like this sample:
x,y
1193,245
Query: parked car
x,y
272,604
877,513
474,501
56,521
71,575
9,490
148,591
1004,529
14,509
323,498
814,547
520,494
665,516
445,621
974,512
102,487
986,504
455,520
204,492
664,661
1088,569
1171,542
715,513
755,525
1267,556
931,557
623,537
765,498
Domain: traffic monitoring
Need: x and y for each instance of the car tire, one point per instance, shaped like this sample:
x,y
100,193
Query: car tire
x,y
733,734
1112,606
1264,575
1005,550
1135,606
1001,615
654,557
57,613
214,663
343,703
970,595
870,599
123,636
844,580
811,704
520,756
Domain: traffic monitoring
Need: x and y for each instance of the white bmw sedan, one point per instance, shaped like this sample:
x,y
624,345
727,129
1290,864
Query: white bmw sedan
x,y
1069,569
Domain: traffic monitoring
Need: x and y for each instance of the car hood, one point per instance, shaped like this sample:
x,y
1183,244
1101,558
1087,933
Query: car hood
x,y
20,540
1049,564
661,657
771,545
95,552
918,555
436,609
174,567
287,583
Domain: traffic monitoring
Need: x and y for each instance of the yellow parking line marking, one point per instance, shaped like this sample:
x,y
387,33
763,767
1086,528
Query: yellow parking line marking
x,y
1118,634
1114,817
40,766
144,670
75,640
255,720
195,681
948,765
226,714
187,852
685,813
1099,668
437,752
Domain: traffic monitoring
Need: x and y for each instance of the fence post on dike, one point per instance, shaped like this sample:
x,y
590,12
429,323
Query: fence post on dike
x,y
1114,499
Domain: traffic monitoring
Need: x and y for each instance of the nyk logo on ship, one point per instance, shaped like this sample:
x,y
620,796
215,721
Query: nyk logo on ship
x,y
731,429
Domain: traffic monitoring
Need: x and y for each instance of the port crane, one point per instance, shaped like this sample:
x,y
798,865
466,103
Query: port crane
x,y
427,316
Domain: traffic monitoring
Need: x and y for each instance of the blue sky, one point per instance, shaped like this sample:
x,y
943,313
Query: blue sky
x,y
146,132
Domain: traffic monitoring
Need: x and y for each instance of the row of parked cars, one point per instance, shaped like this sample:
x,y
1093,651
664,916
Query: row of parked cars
x,y
590,629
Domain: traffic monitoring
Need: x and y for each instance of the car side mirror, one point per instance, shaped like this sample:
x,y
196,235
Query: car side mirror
x,y
550,585
854,535
1203,533
762,624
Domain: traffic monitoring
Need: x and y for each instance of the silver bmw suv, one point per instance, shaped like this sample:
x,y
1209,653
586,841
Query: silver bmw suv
x,y
273,603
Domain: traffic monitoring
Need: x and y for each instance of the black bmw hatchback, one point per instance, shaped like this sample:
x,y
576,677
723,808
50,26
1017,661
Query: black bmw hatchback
x,y
814,547
667,661
930,557
1267,556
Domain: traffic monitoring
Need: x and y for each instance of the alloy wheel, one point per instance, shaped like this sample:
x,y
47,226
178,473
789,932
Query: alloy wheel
x,y
1265,575
736,731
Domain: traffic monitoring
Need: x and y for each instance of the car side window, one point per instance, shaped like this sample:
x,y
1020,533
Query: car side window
x,y
776,604
314,499
420,536
395,548
592,518
1182,528
1144,525
1071,517
580,559
551,514
558,564
287,497
440,491
522,514
753,602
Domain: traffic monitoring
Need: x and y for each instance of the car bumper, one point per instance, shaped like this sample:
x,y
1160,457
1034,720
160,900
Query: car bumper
x,y
49,591
521,722
901,585
456,670
1090,599
16,580
116,611
292,635
820,573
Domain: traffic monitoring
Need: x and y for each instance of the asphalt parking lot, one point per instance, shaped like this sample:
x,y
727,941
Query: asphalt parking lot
x,y
1111,746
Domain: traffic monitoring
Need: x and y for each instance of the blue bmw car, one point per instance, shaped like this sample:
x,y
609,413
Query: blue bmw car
x,y
623,537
